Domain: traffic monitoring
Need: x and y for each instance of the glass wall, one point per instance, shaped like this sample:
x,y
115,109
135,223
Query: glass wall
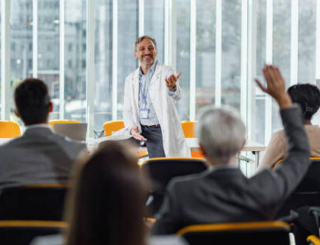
x,y
231,53
205,76
154,24
48,52
183,56
21,46
75,64
281,48
307,41
259,110
0,59
103,63
35,49
128,30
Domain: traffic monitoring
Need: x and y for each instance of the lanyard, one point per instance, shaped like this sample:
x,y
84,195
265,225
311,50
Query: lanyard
x,y
144,96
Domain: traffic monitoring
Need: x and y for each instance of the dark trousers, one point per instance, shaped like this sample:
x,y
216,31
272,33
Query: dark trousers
x,y
154,141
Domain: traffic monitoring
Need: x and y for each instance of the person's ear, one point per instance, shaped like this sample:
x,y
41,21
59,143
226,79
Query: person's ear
x,y
135,54
16,113
50,106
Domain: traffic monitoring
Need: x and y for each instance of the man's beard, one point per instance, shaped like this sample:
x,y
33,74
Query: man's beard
x,y
147,63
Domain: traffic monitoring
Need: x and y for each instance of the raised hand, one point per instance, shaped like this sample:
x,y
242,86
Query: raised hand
x,y
136,135
275,86
172,80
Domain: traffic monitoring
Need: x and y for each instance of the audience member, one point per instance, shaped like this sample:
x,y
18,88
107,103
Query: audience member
x,y
223,194
108,201
39,155
106,204
308,97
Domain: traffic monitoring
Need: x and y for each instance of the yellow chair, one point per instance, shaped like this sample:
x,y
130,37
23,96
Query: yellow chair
x,y
313,240
23,232
112,126
249,233
188,128
62,121
188,131
9,129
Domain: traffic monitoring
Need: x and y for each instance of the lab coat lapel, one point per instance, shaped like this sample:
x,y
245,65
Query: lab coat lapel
x,y
156,76
135,78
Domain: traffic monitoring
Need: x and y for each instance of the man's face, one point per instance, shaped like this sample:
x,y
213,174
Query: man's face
x,y
145,52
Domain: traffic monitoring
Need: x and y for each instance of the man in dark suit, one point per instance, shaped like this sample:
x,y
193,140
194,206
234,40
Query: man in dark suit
x,y
223,194
39,155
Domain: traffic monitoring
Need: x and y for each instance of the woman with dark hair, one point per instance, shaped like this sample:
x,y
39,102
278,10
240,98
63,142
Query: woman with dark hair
x,y
308,97
108,199
106,204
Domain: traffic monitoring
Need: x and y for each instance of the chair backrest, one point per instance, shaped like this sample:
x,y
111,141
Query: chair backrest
x,y
112,126
307,192
188,129
249,233
52,122
9,129
23,232
313,240
162,170
35,202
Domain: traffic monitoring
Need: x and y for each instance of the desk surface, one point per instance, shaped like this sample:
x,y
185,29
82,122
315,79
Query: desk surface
x,y
250,145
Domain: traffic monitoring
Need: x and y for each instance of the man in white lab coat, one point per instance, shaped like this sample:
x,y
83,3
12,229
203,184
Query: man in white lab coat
x,y
149,109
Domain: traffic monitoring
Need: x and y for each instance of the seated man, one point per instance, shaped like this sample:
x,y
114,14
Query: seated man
x,y
39,155
223,194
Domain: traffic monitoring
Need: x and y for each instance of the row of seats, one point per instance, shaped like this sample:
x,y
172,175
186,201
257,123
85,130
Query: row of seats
x,y
263,233
10,129
46,202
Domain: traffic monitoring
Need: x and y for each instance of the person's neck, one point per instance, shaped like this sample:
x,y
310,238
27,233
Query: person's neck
x,y
307,122
35,124
216,163
145,68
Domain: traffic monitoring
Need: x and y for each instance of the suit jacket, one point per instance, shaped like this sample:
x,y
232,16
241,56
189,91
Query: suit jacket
x,y
38,156
225,195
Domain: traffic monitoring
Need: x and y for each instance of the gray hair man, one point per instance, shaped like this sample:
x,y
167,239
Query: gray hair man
x,y
221,134
224,194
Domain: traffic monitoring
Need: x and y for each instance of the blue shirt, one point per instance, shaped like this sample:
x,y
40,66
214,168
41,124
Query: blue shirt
x,y
145,80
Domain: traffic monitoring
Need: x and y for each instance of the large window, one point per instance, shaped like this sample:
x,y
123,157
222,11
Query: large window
x,y
231,52
307,41
260,105
206,22
75,64
21,46
219,46
128,31
103,63
0,59
183,56
154,24
48,50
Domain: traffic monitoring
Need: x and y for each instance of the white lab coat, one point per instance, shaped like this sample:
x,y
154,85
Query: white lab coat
x,y
174,143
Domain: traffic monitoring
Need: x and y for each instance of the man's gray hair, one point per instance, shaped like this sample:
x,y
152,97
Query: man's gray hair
x,y
139,40
221,132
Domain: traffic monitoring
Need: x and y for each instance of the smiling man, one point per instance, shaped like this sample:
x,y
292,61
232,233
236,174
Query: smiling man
x,y
149,109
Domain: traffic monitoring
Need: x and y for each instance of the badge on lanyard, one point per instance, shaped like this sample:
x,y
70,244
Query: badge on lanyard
x,y
144,113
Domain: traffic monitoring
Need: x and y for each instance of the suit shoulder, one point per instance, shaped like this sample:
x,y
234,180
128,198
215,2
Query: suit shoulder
x,y
188,180
69,142
10,144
